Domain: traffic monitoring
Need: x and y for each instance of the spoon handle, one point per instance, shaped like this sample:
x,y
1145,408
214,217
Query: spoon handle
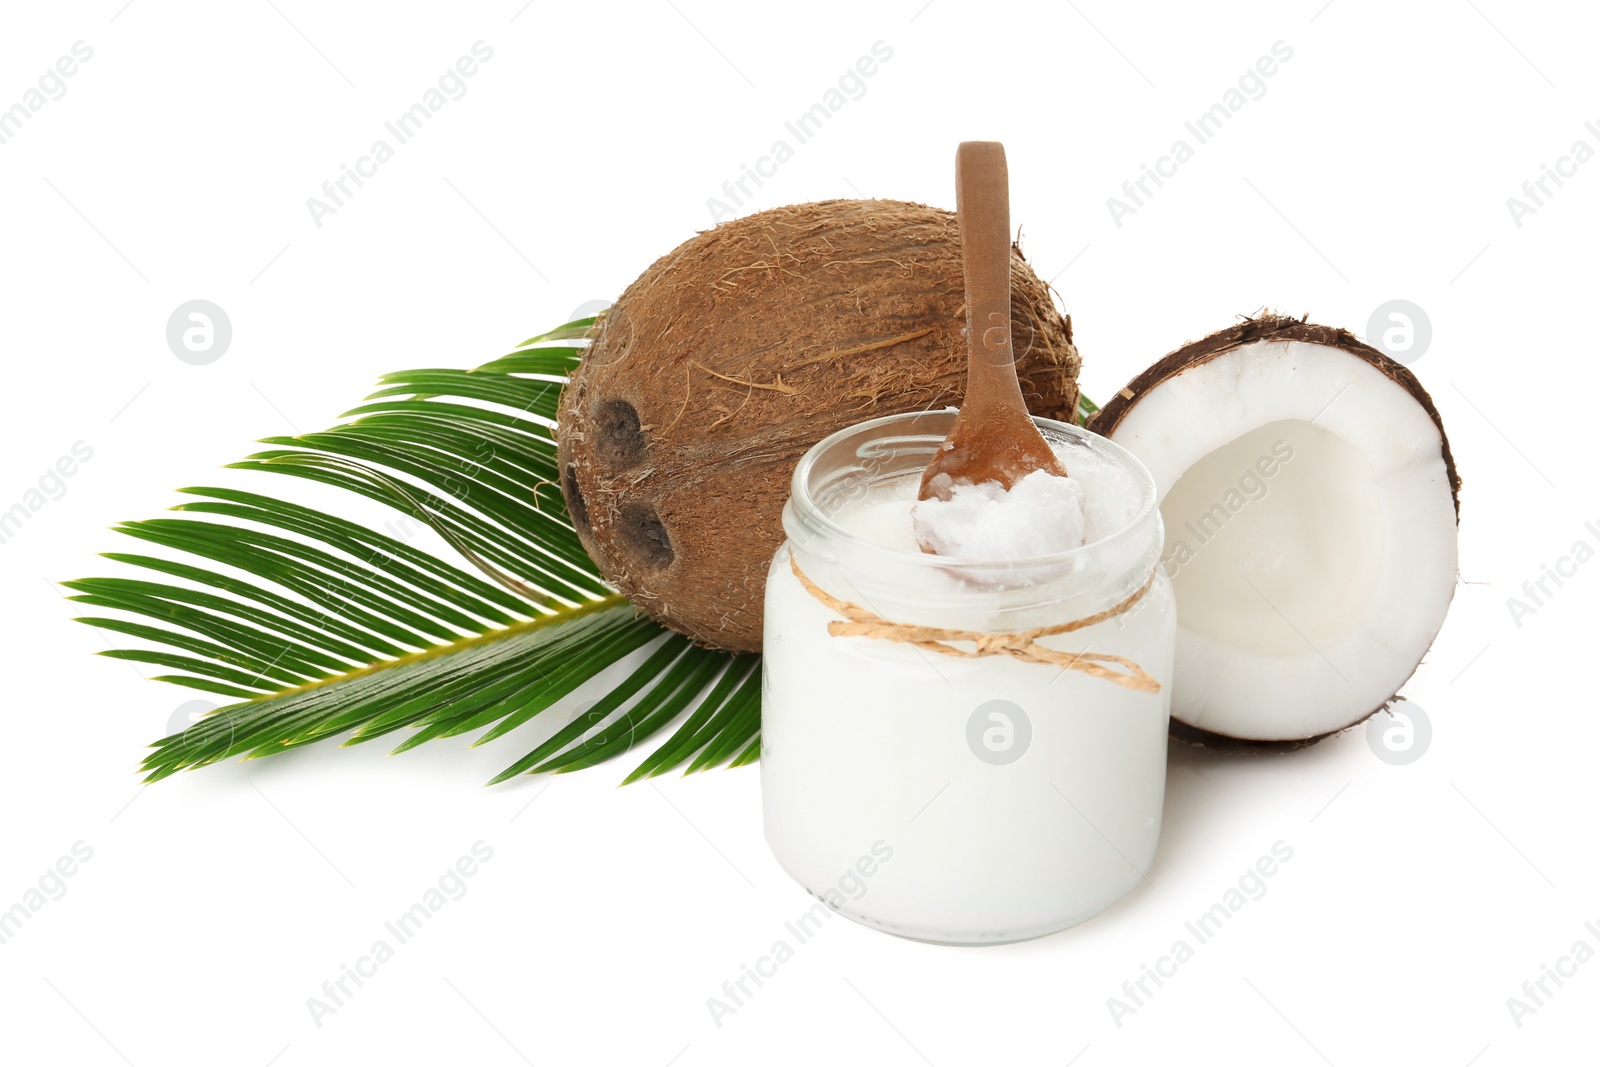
x,y
983,212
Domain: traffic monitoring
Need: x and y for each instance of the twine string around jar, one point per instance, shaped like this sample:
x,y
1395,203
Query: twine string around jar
x,y
1023,645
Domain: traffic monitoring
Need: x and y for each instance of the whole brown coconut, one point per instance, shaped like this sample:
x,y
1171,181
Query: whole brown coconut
x,y
732,355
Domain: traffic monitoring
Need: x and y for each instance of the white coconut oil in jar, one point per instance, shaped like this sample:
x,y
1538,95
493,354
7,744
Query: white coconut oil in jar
x,y
954,798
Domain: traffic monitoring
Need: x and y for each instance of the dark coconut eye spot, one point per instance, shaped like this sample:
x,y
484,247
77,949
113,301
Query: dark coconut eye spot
x,y
574,493
618,439
641,530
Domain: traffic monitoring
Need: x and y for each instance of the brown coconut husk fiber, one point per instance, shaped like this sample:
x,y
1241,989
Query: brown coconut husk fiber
x,y
732,355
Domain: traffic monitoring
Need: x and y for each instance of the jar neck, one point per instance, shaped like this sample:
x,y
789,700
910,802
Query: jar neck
x,y
993,596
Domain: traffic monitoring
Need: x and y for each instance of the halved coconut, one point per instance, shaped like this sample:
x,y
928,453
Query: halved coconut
x,y
1311,505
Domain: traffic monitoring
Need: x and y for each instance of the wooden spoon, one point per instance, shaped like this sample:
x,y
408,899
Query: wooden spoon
x,y
994,439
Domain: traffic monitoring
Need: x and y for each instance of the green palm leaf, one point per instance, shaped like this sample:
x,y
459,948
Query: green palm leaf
x,y
320,627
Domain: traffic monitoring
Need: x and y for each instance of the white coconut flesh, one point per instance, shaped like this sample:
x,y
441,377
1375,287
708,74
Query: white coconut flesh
x,y
1310,535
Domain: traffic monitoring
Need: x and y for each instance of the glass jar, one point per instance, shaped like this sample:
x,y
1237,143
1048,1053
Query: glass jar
x,y
963,799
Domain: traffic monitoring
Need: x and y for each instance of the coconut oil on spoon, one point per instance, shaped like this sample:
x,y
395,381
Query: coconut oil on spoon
x,y
994,476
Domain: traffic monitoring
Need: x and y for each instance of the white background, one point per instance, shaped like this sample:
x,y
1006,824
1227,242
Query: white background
x,y
1377,166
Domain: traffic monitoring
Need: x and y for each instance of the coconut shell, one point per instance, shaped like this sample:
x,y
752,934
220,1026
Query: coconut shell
x,y
735,353
1270,327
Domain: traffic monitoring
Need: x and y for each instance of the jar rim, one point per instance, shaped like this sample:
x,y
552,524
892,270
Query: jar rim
x,y
809,511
